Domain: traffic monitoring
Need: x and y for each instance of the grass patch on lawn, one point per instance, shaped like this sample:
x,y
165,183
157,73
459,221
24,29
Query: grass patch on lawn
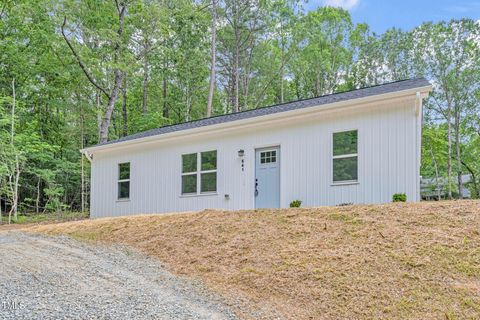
x,y
394,261
39,218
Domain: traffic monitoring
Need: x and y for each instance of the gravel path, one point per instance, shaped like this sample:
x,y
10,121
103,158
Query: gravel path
x,y
60,278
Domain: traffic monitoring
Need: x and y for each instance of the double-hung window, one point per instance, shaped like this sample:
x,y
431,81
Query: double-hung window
x,y
199,172
345,156
124,181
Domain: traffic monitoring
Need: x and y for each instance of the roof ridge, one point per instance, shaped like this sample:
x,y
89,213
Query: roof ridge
x,y
264,110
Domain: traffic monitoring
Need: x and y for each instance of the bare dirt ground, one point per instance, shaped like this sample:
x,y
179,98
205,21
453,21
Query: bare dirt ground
x,y
393,261
60,278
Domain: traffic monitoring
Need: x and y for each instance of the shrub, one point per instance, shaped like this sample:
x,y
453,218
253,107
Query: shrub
x,y
344,204
295,204
399,197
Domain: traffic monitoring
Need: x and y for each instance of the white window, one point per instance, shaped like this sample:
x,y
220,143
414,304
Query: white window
x,y
345,156
124,181
199,172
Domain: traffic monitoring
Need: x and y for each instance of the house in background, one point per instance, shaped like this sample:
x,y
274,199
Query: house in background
x,y
360,146
436,189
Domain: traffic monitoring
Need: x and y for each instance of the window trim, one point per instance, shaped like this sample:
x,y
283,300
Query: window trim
x,y
198,173
123,180
344,156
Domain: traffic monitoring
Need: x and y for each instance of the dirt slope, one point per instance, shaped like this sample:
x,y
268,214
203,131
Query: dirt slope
x,y
395,261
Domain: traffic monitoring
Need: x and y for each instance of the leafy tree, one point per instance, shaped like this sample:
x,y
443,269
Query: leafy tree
x,y
87,71
324,51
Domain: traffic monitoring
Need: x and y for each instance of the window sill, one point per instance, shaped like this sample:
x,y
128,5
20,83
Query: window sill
x,y
123,200
345,183
191,195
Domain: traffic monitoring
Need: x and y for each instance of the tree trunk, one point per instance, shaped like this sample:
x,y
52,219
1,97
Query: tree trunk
x,y
99,111
14,189
110,106
281,76
474,180
16,174
118,78
145,79
282,63
246,81
166,112
449,140
188,102
10,183
82,184
124,108
236,70
237,77
12,132
458,153
115,124
37,200
439,194
17,181
82,166
118,74
213,59
449,162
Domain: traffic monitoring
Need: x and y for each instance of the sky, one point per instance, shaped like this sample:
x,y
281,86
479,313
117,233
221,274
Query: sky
x,y
381,15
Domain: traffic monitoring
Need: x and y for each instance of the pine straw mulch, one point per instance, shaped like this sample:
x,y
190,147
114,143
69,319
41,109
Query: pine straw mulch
x,y
393,261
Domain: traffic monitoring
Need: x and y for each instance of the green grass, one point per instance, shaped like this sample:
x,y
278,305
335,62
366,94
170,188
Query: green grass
x,y
46,217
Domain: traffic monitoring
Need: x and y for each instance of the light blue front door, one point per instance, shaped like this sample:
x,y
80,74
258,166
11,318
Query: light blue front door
x,y
267,178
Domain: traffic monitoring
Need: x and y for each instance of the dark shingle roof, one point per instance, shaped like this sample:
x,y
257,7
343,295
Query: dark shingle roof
x,y
299,104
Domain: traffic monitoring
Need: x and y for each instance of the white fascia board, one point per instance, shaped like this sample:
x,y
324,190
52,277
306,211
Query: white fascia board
x,y
258,120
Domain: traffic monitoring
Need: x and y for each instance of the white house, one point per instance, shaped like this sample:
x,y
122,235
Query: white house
x,y
360,146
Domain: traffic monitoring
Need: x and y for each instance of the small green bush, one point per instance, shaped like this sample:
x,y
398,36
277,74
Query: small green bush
x,y
295,204
344,204
399,197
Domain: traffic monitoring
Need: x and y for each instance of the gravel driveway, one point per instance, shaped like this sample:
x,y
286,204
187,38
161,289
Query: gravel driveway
x,y
60,278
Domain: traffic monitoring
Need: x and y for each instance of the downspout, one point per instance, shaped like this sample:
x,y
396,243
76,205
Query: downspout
x,y
418,127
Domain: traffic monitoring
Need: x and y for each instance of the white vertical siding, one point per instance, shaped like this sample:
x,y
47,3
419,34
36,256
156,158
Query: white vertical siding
x,y
387,164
